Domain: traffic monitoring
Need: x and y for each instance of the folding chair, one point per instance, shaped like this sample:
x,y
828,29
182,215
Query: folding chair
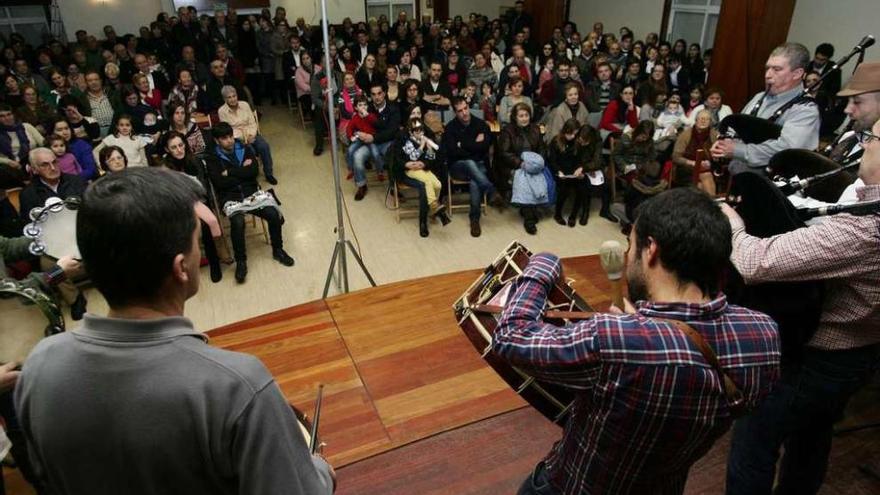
x,y
397,189
451,206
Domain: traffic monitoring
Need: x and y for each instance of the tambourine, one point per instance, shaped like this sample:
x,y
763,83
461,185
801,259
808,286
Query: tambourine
x,y
53,228
27,315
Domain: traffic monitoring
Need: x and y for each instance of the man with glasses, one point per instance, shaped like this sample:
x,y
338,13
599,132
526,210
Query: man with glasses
x,y
800,122
844,251
387,128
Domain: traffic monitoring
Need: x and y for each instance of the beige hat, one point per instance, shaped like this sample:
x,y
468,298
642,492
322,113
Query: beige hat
x,y
865,80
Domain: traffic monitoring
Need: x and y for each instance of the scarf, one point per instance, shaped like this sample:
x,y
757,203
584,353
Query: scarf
x,y
699,140
24,144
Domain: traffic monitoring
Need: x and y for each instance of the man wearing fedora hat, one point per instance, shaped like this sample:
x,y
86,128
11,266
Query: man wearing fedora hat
x,y
863,109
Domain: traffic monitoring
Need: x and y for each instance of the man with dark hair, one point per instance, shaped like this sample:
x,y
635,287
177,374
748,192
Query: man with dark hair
x,y
553,91
651,400
820,64
232,169
678,77
602,89
466,142
435,89
800,122
362,47
839,359
387,128
520,18
142,383
213,95
155,78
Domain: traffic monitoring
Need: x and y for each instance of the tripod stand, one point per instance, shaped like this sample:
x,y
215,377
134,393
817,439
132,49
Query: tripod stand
x,y
338,259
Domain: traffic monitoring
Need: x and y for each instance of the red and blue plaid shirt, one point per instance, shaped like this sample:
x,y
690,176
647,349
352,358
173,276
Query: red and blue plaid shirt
x,y
649,404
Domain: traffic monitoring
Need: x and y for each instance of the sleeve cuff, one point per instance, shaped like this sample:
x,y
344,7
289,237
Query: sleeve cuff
x,y
739,151
55,276
543,267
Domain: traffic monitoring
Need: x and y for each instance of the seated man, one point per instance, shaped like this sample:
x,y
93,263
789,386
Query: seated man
x,y
553,91
655,386
241,117
232,169
142,383
213,95
435,90
387,129
466,142
48,182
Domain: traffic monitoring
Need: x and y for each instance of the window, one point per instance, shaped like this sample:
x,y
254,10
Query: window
x,y
391,8
27,20
694,21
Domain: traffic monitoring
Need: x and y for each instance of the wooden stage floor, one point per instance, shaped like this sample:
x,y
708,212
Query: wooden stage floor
x,y
395,365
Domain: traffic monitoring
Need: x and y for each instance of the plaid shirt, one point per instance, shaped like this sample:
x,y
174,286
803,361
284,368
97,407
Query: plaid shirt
x,y
649,405
844,251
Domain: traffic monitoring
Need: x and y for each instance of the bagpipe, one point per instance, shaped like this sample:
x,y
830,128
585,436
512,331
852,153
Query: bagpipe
x,y
751,129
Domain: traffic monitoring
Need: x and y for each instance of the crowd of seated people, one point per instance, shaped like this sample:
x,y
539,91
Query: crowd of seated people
x,y
482,91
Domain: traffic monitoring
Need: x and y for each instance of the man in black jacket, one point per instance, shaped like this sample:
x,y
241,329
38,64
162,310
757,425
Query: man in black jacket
x,y
233,172
466,143
49,182
387,129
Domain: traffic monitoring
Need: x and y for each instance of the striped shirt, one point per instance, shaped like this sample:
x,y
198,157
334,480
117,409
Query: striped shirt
x,y
102,111
844,251
648,405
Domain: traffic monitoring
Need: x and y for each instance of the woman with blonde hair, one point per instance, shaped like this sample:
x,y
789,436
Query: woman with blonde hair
x,y
699,137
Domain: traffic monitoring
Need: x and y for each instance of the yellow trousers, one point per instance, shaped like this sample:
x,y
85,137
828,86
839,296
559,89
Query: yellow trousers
x,y
431,182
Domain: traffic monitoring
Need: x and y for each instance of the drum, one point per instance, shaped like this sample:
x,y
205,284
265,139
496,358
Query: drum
x,y
26,316
478,311
53,228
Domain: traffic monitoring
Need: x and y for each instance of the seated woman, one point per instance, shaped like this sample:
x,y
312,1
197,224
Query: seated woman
x,y
717,110
415,158
620,113
35,111
589,146
410,96
699,137
178,157
197,140
521,134
392,93
696,99
454,73
636,160
570,108
61,88
149,96
303,82
80,148
83,126
186,91
564,161
368,73
516,87
11,91
112,159
123,137
146,121
406,69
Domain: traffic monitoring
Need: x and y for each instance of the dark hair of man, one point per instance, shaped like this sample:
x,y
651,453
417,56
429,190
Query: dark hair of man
x,y
458,100
93,71
826,49
376,83
221,130
563,62
692,236
626,36
70,100
603,64
127,239
5,107
714,90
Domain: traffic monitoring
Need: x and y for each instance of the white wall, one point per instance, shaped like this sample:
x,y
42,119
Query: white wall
x,y
642,16
843,24
489,8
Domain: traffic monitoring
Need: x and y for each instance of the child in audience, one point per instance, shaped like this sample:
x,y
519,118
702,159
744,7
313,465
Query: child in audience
x,y
67,163
470,95
488,102
123,136
363,121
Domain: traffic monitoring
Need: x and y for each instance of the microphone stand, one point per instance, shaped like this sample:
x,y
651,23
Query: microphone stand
x,y
341,241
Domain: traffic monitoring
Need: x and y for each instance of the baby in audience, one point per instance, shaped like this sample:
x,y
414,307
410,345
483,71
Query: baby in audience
x,y
66,161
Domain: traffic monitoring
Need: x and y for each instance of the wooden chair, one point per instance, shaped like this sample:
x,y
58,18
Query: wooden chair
x,y
398,189
451,206
294,105
225,226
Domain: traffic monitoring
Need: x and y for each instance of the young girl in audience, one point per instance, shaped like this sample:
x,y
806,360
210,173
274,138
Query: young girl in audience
x,y
487,102
124,137
564,161
416,156
696,99
66,161
361,122
546,74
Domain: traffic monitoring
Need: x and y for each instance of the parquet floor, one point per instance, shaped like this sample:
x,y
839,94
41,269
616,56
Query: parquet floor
x,y
395,365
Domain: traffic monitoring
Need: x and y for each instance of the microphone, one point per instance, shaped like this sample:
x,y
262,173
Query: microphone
x,y
866,42
611,257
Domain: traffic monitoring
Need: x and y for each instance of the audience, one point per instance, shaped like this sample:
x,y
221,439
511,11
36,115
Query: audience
x,y
243,120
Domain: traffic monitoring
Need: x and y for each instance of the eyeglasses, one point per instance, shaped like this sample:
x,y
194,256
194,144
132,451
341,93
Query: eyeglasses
x,y
866,137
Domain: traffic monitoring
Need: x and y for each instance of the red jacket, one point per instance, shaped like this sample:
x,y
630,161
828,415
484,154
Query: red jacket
x,y
609,117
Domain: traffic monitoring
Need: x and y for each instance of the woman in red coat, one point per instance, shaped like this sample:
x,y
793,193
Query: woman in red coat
x,y
620,112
